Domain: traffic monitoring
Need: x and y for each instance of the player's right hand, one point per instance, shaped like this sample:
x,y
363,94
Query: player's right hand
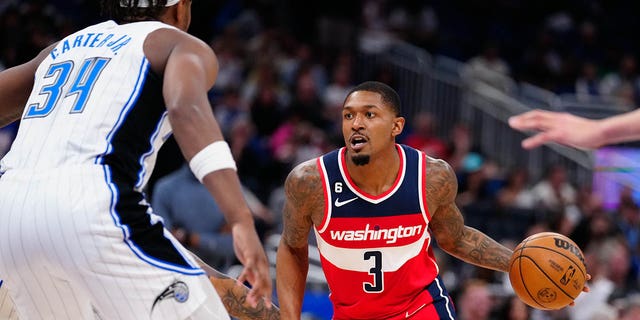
x,y
250,252
585,289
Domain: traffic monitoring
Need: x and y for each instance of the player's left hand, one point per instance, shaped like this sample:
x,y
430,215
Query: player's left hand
x,y
250,252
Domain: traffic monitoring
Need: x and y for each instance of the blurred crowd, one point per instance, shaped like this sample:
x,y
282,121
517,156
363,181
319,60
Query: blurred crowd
x,y
285,69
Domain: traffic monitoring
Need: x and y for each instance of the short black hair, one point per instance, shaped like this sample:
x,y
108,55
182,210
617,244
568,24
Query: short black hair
x,y
128,10
389,95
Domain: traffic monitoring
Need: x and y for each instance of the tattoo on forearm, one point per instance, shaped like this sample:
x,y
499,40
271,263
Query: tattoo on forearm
x,y
482,250
237,306
448,226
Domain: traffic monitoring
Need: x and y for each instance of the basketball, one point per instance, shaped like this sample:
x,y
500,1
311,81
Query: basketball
x,y
547,271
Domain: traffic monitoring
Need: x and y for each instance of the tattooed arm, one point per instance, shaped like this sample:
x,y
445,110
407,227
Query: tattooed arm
x,y
303,199
447,223
234,296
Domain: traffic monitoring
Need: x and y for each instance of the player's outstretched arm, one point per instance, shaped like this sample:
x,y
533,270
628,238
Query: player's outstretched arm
x,y
15,86
447,223
571,130
292,262
234,296
190,70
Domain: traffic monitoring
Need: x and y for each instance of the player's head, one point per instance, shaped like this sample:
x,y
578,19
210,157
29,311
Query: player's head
x,y
370,120
173,12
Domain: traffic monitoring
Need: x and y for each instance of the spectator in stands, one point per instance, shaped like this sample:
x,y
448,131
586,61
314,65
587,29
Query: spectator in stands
x,y
423,137
229,109
335,93
595,223
587,84
489,68
630,309
623,83
266,110
256,167
588,48
306,101
461,144
516,193
182,201
228,49
472,182
608,265
542,62
557,197
475,301
514,309
266,94
628,222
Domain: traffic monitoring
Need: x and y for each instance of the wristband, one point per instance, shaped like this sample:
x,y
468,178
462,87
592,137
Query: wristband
x,y
213,157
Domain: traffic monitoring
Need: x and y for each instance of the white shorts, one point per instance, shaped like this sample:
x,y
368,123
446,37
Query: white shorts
x,y
76,245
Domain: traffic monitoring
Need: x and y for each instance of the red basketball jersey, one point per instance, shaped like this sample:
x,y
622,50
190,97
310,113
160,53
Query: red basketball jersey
x,y
375,250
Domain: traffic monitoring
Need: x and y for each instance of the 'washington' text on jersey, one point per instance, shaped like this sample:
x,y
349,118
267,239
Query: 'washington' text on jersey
x,y
391,234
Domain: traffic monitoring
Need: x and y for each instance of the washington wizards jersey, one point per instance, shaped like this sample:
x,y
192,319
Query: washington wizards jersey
x,y
94,101
375,250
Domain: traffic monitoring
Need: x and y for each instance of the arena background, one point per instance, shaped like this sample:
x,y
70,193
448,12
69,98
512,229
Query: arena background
x,y
461,68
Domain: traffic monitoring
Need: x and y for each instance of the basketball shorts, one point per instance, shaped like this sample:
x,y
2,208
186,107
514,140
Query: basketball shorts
x,y
75,244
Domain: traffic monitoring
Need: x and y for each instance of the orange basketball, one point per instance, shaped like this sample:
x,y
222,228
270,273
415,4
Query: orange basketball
x,y
547,271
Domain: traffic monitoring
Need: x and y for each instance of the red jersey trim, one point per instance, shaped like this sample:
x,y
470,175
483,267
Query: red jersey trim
x,y
364,195
422,169
327,195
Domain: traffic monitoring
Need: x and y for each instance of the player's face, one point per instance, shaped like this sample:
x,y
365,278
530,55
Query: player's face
x,y
369,125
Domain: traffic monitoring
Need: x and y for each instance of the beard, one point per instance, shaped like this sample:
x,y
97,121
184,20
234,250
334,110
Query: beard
x,y
360,159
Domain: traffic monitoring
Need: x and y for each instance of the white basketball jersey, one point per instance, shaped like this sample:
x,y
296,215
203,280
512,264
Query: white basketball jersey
x,y
85,244
92,104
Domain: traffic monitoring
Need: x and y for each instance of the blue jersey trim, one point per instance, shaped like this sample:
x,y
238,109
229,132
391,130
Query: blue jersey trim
x,y
127,233
143,168
133,98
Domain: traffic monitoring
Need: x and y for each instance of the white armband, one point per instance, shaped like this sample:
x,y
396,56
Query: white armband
x,y
213,157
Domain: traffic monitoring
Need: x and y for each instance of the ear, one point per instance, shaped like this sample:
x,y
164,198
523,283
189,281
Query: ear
x,y
398,126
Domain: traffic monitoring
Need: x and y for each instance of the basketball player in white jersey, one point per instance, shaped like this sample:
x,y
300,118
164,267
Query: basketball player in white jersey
x,y
77,237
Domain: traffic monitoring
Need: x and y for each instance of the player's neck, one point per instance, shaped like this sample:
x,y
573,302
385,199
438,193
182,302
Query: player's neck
x,y
379,175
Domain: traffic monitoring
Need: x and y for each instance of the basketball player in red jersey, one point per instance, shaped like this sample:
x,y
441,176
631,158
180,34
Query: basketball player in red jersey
x,y
371,205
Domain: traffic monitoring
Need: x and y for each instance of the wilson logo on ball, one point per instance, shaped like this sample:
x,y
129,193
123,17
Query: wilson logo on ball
x,y
562,244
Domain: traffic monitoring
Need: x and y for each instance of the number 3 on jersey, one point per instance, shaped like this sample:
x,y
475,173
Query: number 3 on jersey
x,y
81,87
378,280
